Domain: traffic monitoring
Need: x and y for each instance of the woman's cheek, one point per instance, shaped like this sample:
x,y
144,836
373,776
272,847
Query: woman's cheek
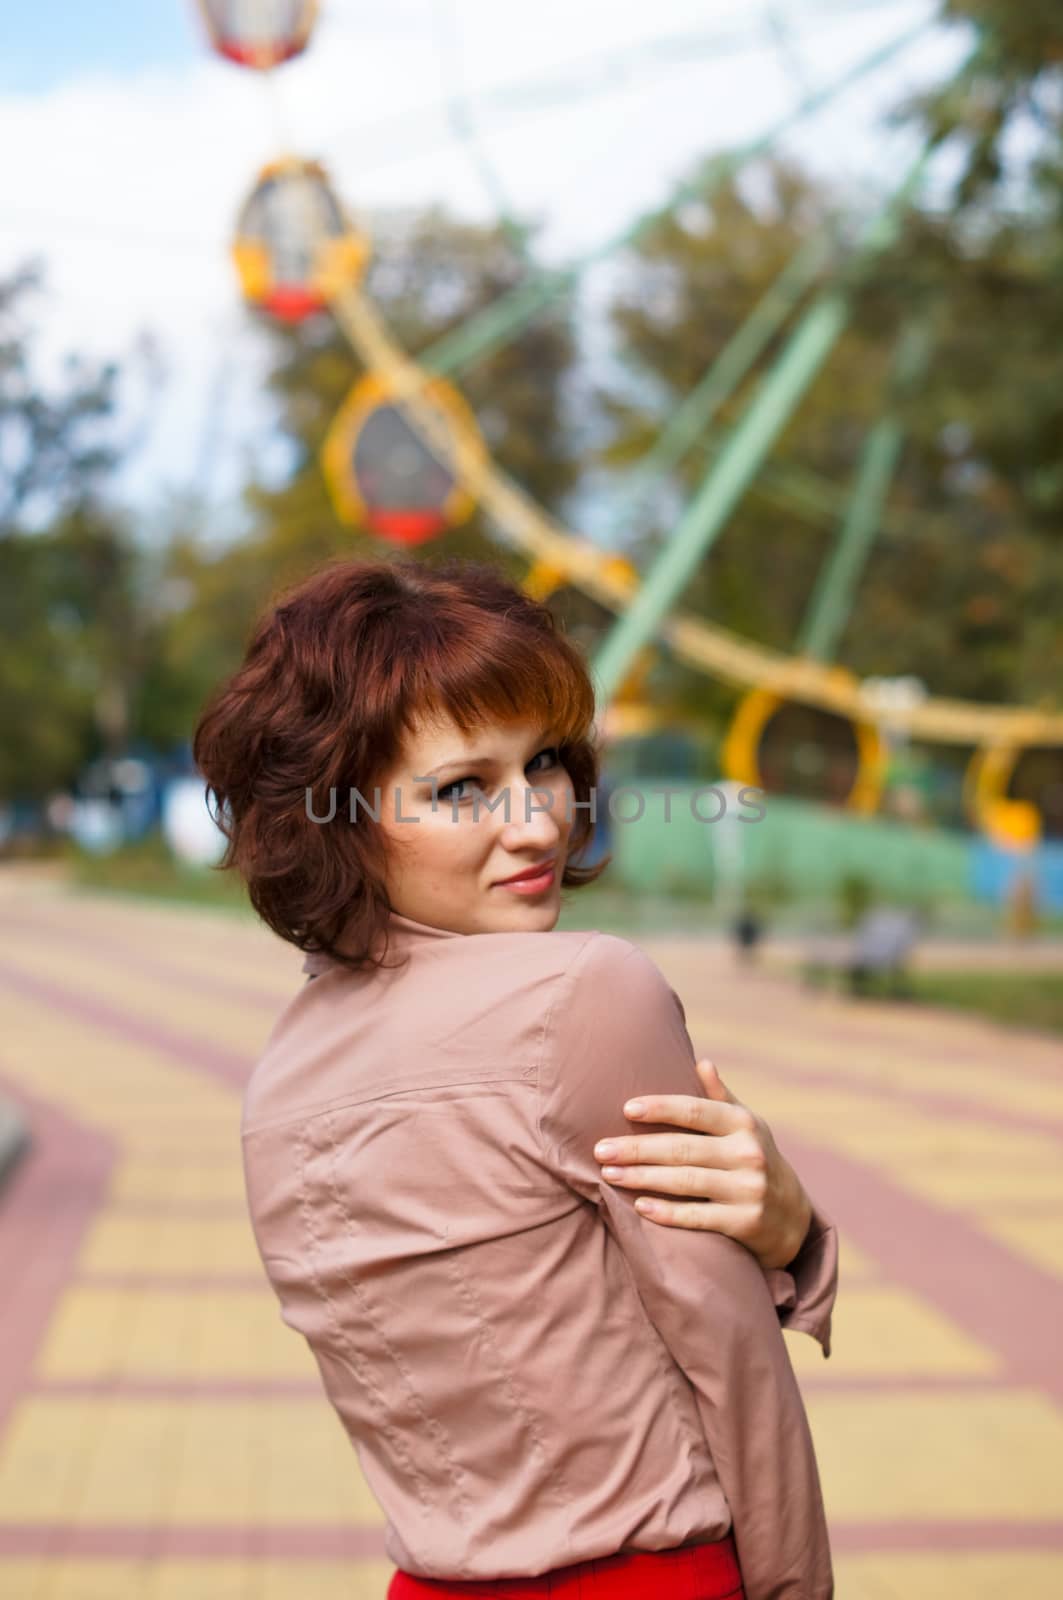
x,y
564,809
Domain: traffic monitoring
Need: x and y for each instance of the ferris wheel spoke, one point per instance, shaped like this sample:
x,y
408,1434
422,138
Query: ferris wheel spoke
x,y
707,513
399,135
734,362
506,316
832,599
463,124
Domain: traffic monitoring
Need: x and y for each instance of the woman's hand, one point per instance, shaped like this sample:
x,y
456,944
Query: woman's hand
x,y
727,1167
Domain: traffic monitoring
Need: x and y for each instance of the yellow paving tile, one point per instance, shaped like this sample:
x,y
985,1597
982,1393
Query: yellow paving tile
x,y
188,1126
65,1579
239,952
955,1575
30,1579
161,1246
968,1186
1038,1239
907,1065
194,1580
121,1086
1010,1090
149,1333
923,1138
961,1166
821,1111
888,1332
355,1580
228,942
138,1462
86,1337
138,1179
854,1265
206,1014
922,1456
183,1142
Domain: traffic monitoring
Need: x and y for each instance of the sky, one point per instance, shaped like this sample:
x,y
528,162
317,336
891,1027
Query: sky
x,y
136,146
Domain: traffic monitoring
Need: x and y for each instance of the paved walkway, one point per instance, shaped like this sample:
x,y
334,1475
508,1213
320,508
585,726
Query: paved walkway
x,y
163,1434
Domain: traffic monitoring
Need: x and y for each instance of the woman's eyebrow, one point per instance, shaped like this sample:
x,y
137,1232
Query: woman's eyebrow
x,y
473,761
456,766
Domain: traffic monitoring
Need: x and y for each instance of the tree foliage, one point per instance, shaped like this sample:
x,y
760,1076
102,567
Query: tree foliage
x,y
55,444
965,581
1016,77
69,569
106,638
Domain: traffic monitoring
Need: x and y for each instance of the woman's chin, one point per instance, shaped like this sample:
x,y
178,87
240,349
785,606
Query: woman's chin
x,y
536,915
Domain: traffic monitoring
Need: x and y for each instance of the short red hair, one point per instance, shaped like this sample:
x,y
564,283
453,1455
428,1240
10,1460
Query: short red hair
x,y
337,672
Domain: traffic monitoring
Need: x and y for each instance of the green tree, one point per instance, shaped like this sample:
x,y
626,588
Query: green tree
x,y
69,605
1016,79
56,445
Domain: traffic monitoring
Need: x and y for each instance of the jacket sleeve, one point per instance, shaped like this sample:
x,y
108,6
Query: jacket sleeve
x,y
616,1029
805,1290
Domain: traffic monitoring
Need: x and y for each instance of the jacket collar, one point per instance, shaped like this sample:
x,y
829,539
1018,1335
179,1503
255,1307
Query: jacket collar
x,y
419,931
402,931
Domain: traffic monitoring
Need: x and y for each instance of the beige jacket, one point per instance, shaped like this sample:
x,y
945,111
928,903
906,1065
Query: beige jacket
x,y
531,1373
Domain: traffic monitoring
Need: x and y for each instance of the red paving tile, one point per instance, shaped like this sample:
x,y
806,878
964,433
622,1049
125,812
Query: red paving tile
x,y
46,1207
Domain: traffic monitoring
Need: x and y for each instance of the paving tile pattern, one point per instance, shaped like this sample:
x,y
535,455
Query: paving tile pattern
x,y
163,1434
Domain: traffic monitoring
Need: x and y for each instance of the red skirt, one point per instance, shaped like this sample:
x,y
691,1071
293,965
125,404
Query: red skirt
x,y
691,1572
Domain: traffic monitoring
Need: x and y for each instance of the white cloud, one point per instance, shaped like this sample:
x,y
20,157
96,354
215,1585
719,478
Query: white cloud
x,y
129,185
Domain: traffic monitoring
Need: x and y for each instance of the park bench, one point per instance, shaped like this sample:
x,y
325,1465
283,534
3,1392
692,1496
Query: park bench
x,y
877,952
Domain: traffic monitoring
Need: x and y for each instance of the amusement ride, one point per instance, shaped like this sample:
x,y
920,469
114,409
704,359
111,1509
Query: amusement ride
x,y
405,459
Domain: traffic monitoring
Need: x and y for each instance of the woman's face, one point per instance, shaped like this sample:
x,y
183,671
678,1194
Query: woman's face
x,y
462,814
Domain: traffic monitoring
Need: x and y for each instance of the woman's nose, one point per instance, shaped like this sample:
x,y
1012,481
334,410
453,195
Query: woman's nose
x,y
532,814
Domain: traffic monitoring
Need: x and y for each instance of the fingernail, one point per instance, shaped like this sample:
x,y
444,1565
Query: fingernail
x,y
634,1108
649,1208
605,1150
612,1172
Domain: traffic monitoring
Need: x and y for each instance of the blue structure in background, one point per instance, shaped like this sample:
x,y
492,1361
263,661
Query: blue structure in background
x,y
994,871
118,801
601,838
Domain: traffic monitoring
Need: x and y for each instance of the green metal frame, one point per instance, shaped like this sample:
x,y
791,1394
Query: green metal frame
x,y
738,463
835,591
733,363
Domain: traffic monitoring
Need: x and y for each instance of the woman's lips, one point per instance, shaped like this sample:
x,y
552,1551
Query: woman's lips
x,y
542,881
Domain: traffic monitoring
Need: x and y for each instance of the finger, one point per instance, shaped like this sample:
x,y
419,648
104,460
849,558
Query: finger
x,y
715,1087
727,1152
700,1215
688,1111
696,1183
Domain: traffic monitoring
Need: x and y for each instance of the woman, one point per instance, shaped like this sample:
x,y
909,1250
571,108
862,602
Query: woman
x,y
548,1392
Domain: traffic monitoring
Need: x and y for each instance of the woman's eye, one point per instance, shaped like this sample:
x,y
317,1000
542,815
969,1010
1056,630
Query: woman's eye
x,y
458,783
446,791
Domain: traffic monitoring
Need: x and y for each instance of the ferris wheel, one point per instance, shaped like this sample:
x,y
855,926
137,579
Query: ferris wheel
x,y
405,458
